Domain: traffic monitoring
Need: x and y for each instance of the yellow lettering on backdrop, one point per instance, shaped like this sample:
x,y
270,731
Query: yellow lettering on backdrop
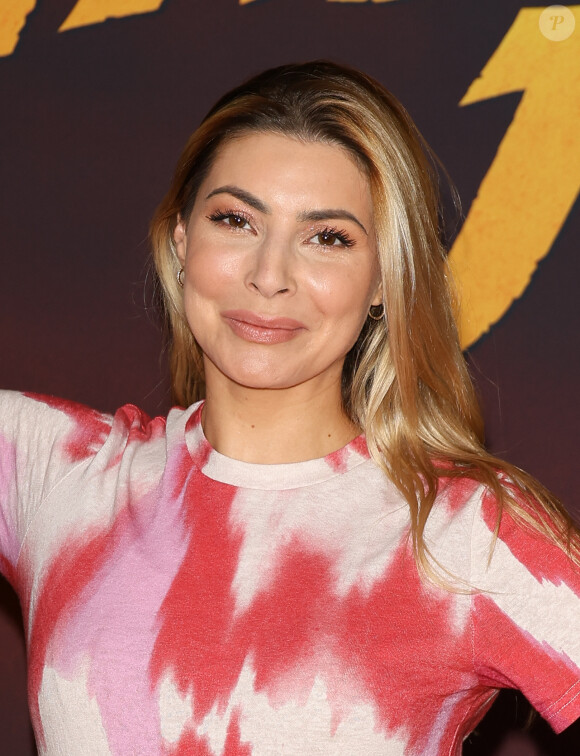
x,y
12,19
534,179
87,12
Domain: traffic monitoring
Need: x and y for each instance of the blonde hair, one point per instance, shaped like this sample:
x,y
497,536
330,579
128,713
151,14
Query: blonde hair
x,y
405,382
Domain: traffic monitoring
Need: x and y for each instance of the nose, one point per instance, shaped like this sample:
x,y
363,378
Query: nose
x,y
271,268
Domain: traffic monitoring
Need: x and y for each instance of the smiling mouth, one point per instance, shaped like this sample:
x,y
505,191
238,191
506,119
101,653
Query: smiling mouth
x,y
262,330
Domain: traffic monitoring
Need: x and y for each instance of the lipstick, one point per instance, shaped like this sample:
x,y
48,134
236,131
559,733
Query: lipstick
x,y
262,329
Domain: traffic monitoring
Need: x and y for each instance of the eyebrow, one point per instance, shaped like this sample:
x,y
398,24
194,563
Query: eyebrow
x,y
330,214
308,215
243,196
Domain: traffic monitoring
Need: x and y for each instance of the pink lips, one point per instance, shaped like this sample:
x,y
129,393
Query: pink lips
x,y
260,329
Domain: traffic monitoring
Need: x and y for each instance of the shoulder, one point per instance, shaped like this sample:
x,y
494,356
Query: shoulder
x,y
489,536
528,540
511,533
46,425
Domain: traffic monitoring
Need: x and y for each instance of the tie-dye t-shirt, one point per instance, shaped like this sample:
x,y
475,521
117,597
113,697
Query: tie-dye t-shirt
x,y
177,601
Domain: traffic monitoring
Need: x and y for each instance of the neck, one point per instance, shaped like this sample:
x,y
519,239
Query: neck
x,y
273,426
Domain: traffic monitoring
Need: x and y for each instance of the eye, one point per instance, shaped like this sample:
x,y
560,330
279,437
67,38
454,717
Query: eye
x,y
332,237
236,221
232,219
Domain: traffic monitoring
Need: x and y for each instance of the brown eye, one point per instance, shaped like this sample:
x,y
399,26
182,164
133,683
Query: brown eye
x,y
327,238
236,221
333,237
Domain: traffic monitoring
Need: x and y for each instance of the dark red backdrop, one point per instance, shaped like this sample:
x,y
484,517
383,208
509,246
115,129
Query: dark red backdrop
x,y
92,122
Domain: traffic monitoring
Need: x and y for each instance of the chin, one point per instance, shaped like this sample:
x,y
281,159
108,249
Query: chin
x,y
262,382
253,372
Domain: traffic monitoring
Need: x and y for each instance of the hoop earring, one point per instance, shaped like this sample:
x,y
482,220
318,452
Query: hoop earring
x,y
380,316
180,277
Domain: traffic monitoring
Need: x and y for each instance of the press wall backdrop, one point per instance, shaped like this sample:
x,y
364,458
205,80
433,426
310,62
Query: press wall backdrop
x,y
97,98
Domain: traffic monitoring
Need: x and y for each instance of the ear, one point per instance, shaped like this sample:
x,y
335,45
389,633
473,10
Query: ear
x,y
378,295
180,240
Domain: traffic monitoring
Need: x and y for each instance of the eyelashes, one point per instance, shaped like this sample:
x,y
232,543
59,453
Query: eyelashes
x,y
329,236
234,219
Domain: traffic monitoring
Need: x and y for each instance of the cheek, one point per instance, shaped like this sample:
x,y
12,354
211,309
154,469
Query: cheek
x,y
201,289
344,295
207,273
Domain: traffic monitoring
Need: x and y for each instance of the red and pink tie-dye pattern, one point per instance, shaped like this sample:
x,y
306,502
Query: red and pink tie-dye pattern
x,y
336,646
9,542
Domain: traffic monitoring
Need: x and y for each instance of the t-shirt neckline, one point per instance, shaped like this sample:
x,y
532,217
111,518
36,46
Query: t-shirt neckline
x,y
271,477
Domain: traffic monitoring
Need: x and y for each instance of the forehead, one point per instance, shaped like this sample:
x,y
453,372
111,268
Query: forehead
x,y
288,168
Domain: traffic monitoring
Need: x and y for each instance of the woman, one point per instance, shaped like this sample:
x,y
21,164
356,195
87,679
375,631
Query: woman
x,y
254,574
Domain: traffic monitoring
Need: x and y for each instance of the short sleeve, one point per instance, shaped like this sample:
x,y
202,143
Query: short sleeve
x,y
526,616
41,440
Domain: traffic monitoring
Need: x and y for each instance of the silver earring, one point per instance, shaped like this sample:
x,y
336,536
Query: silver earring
x,y
381,314
180,277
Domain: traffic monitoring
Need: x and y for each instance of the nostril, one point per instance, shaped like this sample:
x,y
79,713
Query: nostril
x,y
267,291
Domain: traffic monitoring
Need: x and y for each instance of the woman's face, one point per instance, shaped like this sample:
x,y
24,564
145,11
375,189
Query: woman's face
x,y
280,262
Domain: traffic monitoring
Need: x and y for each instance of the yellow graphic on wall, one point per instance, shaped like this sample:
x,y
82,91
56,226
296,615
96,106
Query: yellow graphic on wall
x,y
12,19
88,12
13,15
534,179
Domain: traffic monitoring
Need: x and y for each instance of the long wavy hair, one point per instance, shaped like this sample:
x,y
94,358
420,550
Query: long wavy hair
x,y
405,382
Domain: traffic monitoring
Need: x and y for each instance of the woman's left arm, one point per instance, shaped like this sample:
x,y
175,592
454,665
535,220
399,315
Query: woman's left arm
x,y
526,615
